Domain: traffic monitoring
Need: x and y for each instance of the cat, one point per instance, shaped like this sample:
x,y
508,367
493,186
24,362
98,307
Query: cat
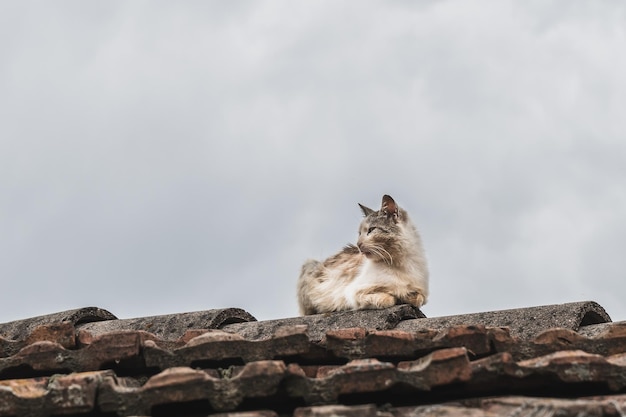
x,y
387,266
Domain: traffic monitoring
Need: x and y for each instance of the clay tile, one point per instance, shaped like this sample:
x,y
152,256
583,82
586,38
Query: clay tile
x,y
319,324
190,334
368,410
416,365
420,333
611,405
129,341
361,365
84,338
56,395
264,368
525,323
286,331
299,370
562,357
462,330
616,330
40,347
175,376
558,336
499,334
172,327
353,333
214,336
619,359
309,371
394,334
149,344
75,392
492,363
445,354
25,388
440,355
324,371
61,333
474,337
445,410
359,343
21,329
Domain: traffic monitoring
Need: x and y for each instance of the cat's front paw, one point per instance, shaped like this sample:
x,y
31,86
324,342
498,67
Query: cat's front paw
x,y
377,300
415,298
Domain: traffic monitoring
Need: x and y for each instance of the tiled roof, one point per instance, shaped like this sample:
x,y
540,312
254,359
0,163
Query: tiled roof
x,y
562,360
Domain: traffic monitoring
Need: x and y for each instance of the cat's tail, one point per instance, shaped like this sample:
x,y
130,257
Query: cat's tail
x,y
310,270
310,267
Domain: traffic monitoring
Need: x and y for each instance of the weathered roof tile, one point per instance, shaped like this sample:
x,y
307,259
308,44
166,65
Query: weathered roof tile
x,y
183,384
260,413
487,407
172,326
611,340
524,323
356,343
62,333
21,329
549,371
319,324
445,410
218,346
383,363
368,410
49,357
531,406
61,394
441,367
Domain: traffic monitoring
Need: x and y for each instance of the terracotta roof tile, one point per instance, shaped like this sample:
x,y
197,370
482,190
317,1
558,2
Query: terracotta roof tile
x,y
488,407
440,411
361,343
441,367
217,345
368,410
62,333
50,357
591,406
611,340
550,371
384,363
525,323
223,392
319,324
21,329
61,394
172,326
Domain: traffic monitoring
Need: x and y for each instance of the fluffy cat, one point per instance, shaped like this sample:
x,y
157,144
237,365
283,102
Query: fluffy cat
x,y
386,267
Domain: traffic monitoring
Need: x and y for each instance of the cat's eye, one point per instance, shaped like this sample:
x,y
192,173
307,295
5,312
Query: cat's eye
x,y
370,230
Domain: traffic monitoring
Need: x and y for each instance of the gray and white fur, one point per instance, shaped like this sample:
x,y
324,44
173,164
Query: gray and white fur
x,y
387,266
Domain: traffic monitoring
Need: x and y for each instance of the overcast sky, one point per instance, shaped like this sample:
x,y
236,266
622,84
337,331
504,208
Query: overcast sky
x,y
160,157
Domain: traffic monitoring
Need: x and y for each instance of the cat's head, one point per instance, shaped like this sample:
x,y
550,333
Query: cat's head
x,y
384,234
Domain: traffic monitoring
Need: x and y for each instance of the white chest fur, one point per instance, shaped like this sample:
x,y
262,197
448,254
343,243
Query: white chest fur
x,y
372,274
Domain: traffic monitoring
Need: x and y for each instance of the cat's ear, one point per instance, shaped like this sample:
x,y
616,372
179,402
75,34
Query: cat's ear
x,y
389,207
366,210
